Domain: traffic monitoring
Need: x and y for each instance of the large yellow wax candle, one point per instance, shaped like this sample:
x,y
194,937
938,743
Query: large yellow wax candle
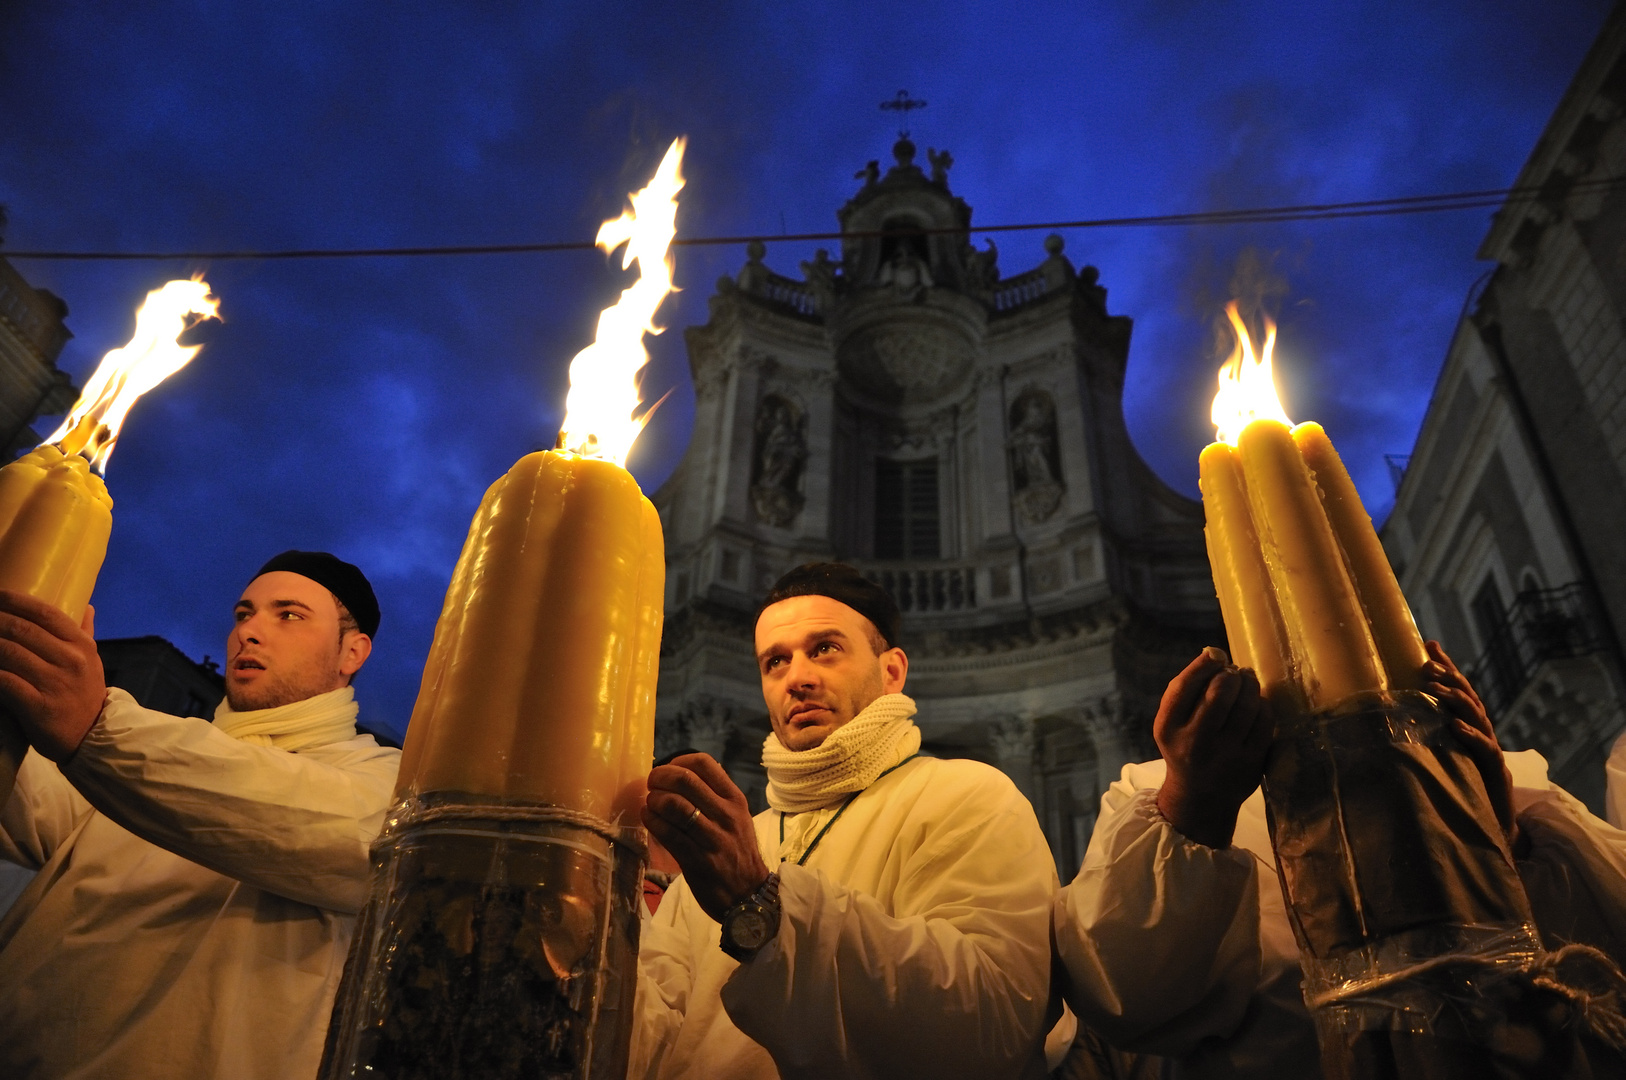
x,y
1322,614
1394,631
55,520
1252,621
638,739
526,694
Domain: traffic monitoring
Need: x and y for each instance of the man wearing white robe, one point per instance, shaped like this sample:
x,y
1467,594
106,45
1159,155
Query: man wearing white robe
x,y
1174,936
197,883
904,928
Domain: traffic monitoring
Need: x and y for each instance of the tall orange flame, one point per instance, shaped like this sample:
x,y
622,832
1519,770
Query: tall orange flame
x,y
92,425
599,419
1247,384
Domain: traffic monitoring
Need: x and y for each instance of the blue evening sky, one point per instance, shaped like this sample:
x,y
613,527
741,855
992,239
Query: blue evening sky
x,y
364,406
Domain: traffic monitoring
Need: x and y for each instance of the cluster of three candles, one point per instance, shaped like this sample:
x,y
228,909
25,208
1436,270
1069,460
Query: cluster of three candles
x,y
1309,599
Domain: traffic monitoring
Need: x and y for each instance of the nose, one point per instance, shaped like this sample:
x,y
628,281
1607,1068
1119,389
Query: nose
x,y
244,633
803,673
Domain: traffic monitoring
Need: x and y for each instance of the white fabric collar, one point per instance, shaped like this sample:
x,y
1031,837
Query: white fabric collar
x,y
315,721
848,760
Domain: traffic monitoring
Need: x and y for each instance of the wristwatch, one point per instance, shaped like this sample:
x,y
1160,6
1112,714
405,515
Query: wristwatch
x,y
753,922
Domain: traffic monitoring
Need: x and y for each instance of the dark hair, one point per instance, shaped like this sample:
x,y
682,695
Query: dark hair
x,y
845,584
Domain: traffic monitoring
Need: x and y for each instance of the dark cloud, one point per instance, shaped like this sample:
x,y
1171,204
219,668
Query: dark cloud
x,y
365,406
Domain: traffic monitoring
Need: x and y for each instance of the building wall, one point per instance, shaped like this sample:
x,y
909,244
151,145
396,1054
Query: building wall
x,y
1516,492
1068,583
32,333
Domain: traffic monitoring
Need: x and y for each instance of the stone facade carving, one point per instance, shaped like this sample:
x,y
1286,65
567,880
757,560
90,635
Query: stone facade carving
x,y
707,724
778,459
1035,457
1013,740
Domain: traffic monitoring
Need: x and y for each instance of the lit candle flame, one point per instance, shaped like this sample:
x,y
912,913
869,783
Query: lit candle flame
x,y
599,419
1247,385
153,355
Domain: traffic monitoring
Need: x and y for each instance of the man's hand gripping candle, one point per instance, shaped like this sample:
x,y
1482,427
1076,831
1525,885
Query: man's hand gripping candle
x,y
705,822
1214,730
51,678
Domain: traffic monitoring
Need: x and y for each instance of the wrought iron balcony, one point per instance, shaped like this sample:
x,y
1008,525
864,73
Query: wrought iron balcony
x,y
1543,625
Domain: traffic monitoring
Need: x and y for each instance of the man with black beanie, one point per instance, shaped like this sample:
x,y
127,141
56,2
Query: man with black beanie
x,y
197,882
887,916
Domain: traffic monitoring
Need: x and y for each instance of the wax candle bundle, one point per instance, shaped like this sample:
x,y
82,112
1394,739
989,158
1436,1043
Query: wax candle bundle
x,y
1412,924
500,939
55,513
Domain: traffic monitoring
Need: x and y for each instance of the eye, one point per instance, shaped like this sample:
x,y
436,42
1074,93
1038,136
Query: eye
x,y
240,616
292,616
824,647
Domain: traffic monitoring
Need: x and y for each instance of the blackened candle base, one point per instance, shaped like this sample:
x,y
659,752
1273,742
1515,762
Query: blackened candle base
x,y
486,947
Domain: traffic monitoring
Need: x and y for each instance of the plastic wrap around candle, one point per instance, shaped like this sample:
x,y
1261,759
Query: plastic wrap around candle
x,y
540,683
1308,597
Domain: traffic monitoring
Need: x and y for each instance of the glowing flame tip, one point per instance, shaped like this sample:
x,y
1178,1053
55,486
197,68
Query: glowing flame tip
x,y
599,420
1247,383
153,354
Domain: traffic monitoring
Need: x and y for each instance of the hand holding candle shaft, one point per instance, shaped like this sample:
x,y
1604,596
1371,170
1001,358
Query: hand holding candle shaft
x,y
1213,729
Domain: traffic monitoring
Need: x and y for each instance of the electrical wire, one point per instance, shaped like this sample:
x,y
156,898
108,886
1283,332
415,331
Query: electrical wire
x,y
1415,204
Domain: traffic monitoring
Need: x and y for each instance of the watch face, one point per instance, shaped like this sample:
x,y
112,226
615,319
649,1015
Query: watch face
x,y
749,928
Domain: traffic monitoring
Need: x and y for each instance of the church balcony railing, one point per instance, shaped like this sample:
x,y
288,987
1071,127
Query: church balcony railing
x,y
926,590
787,291
1543,625
1022,289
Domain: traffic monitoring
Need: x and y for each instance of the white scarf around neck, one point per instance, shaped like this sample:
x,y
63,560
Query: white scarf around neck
x,y
849,759
316,721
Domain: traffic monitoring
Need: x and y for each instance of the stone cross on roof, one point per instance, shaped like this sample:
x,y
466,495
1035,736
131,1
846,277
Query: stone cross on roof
x,y
903,104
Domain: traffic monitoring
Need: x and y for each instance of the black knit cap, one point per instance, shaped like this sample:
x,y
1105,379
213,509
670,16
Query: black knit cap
x,y
342,579
840,582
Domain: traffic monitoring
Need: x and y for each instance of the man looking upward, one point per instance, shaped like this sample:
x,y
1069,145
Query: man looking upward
x,y
197,883
886,917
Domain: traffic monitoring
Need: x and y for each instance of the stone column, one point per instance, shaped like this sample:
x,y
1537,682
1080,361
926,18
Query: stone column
x,y
1013,740
708,727
1114,742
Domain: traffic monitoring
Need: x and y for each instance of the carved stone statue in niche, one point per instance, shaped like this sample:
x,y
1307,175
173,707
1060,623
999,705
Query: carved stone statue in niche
x,y
907,272
1035,456
820,275
778,460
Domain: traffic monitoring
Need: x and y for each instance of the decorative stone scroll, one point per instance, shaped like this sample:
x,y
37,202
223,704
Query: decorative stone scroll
x,y
778,460
1035,456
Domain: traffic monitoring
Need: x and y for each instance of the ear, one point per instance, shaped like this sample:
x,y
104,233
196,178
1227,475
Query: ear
x,y
353,652
894,670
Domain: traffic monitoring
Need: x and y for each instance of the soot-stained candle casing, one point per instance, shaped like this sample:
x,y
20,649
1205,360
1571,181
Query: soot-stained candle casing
x,y
1398,881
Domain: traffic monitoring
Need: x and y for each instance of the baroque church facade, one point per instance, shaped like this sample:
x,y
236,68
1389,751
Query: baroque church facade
x,y
960,438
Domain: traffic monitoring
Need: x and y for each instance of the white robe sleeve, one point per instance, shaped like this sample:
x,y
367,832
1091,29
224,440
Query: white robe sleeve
x,y
952,979
42,811
1159,935
665,982
296,825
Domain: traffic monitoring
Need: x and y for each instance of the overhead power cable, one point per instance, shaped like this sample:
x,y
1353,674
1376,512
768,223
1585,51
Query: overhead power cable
x,y
1414,204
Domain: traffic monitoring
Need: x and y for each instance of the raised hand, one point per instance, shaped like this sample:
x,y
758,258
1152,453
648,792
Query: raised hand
x,y
50,674
1214,731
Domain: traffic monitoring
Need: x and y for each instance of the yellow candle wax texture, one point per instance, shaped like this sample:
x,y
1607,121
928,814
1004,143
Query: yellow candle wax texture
x,y
638,741
529,686
1325,624
55,520
1247,601
1394,631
